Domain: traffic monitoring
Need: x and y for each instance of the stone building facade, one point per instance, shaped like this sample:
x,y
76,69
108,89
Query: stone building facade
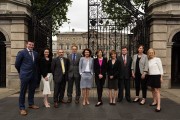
x,y
14,16
66,39
164,22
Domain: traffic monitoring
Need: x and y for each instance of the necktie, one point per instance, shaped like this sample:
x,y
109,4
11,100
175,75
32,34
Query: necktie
x,y
62,65
124,59
31,54
74,57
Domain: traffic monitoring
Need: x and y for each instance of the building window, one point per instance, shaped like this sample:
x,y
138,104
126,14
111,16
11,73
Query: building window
x,y
61,46
67,46
80,46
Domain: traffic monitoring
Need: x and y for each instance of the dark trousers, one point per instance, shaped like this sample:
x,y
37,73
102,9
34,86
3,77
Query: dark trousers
x,y
59,89
140,83
70,87
31,86
99,84
124,84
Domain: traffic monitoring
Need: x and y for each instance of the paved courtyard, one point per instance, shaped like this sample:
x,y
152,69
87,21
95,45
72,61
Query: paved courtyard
x,y
122,111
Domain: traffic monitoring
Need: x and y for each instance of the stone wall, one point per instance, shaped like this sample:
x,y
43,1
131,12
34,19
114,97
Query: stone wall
x,y
14,16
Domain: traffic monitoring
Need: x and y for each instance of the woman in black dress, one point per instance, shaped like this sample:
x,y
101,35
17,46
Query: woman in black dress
x,y
46,75
113,76
100,68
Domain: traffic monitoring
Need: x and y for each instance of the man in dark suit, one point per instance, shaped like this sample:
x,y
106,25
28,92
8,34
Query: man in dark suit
x,y
73,74
59,69
26,65
125,74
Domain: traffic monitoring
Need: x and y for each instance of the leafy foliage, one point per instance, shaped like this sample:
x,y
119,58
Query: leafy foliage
x,y
123,12
55,9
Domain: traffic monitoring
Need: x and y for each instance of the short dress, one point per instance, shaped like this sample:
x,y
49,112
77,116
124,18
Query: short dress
x,y
112,69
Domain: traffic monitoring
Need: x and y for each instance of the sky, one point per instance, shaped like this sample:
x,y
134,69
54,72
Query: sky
x,y
78,13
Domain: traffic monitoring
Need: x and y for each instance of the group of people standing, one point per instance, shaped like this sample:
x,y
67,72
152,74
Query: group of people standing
x,y
82,68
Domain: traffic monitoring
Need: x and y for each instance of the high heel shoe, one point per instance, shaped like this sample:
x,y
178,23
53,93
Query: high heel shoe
x,y
87,102
143,101
153,104
157,110
84,102
98,104
46,105
136,100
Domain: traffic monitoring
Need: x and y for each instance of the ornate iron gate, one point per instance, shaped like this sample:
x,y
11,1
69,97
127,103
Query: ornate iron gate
x,y
2,60
106,33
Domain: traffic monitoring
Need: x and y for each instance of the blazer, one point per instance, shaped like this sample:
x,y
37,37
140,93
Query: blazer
x,y
125,70
73,68
26,66
45,66
83,63
113,71
56,69
143,63
100,69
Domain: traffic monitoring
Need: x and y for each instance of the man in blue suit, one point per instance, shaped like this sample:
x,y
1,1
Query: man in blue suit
x,y
26,65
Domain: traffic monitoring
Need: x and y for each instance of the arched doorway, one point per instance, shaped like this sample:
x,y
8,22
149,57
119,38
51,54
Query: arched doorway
x,y
2,60
175,71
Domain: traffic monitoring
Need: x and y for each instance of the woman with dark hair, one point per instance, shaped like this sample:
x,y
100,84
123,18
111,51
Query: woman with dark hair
x,y
86,71
100,68
46,75
113,76
139,70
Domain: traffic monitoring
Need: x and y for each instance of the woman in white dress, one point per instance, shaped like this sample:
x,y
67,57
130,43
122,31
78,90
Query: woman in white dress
x,y
46,75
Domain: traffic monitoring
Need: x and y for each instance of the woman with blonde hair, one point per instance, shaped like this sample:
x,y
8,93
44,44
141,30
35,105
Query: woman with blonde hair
x,y
155,77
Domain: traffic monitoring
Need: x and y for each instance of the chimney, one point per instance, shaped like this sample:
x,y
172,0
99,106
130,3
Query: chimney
x,y
73,30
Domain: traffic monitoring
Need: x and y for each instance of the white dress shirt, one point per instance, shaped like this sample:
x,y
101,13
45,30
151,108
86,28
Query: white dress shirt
x,y
87,67
155,66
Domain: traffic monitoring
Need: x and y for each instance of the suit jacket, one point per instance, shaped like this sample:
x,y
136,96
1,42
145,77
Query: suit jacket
x,y
56,69
45,66
83,63
73,68
100,69
26,66
125,70
113,71
143,63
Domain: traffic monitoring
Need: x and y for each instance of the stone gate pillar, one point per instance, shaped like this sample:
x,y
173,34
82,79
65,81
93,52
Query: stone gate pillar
x,y
163,19
14,17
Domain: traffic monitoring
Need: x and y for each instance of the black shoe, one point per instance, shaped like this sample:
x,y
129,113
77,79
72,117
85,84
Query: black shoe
x,y
157,110
142,103
113,103
69,100
99,104
77,101
119,100
136,100
62,101
129,100
110,103
153,104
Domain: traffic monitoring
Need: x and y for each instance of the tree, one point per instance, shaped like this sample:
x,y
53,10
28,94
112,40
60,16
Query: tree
x,y
124,12
56,10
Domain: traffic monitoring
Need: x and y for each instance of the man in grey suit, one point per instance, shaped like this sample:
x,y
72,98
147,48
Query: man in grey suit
x,y
59,69
125,74
73,74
